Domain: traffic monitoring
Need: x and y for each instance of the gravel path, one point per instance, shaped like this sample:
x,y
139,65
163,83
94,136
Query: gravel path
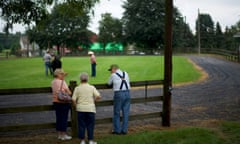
x,y
218,98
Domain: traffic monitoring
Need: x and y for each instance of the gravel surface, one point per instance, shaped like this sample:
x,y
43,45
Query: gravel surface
x,y
217,97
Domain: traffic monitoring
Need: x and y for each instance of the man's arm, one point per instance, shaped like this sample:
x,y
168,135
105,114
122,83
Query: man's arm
x,y
110,81
127,77
74,97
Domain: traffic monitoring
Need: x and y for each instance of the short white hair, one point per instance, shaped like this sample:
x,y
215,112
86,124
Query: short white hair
x,y
84,76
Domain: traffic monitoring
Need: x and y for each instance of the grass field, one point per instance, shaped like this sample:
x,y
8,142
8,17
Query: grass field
x,y
221,133
29,72
225,133
179,136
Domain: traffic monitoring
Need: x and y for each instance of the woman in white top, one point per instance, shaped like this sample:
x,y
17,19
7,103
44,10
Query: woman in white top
x,y
84,97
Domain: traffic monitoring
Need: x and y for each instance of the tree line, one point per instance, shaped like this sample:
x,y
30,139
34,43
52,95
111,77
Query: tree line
x,y
65,23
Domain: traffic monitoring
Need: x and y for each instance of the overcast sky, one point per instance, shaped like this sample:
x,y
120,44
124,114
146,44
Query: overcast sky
x,y
227,12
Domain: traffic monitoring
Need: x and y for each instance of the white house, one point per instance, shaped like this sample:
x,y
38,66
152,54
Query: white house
x,y
27,48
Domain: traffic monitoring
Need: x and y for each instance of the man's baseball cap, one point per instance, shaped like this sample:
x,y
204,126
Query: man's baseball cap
x,y
112,67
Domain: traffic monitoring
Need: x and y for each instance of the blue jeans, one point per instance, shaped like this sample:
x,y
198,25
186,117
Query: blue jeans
x,y
86,120
62,110
48,66
93,66
121,102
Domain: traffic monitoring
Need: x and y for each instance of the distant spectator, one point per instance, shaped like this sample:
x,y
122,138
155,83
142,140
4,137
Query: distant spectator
x,y
84,97
56,63
93,63
47,61
61,108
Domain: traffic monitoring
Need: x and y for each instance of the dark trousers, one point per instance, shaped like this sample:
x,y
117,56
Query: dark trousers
x,y
93,69
86,120
61,110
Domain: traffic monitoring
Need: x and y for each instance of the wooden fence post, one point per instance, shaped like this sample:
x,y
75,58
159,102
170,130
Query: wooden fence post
x,y
238,54
74,125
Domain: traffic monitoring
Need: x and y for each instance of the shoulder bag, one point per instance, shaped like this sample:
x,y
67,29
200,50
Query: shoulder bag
x,y
63,96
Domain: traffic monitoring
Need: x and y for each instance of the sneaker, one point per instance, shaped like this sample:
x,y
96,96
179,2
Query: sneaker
x,y
92,142
59,137
82,142
123,133
115,133
65,137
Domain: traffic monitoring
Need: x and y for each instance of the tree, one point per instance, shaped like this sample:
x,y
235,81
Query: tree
x,y
219,38
238,26
206,30
182,34
33,11
110,29
228,38
60,28
23,11
10,41
144,23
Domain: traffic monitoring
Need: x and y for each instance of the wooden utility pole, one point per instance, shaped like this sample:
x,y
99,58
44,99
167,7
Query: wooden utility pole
x,y
167,64
199,33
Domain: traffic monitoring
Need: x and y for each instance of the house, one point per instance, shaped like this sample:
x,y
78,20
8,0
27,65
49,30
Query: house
x,y
28,49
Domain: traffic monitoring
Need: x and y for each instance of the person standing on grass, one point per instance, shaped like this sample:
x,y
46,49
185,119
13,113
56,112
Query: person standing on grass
x,y
61,108
93,63
47,61
121,86
56,63
84,97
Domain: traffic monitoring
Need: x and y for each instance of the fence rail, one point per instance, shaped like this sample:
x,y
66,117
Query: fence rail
x,y
53,125
40,108
50,107
230,55
49,90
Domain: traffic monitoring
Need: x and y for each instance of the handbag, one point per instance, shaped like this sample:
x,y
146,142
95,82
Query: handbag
x,y
63,96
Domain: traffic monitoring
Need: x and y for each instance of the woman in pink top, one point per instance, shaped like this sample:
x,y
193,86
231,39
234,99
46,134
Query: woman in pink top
x,y
61,108
93,63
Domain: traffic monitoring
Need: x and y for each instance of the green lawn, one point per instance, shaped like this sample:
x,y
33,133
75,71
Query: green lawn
x,y
29,72
179,136
222,133
226,133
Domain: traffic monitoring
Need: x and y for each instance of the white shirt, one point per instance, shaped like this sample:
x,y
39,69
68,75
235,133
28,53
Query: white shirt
x,y
47,57
116,81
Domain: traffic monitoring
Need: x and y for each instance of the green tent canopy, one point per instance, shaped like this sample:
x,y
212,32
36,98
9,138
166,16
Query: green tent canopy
x,y
96,46
108,47
114,47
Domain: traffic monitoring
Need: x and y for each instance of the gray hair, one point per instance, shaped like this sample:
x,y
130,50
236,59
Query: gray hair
x,y
84,77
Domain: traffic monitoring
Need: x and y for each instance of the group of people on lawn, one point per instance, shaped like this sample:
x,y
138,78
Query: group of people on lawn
x,y
84,97
51,62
